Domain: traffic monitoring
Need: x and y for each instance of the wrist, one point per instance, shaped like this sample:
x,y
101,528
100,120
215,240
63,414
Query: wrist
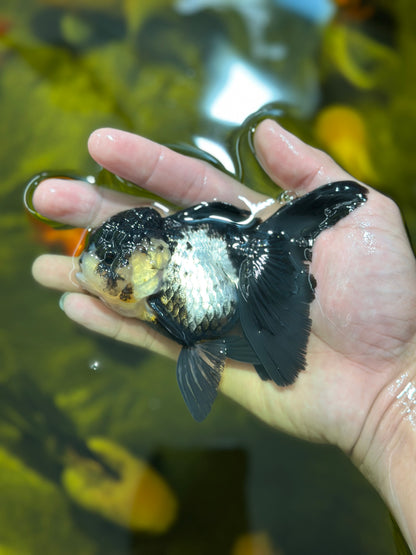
x,y
385,452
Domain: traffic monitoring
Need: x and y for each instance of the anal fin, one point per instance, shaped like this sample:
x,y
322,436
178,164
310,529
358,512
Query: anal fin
x,y
198,372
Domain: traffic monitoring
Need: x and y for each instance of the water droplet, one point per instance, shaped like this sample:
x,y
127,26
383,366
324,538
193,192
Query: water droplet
x,y
286,196
95,366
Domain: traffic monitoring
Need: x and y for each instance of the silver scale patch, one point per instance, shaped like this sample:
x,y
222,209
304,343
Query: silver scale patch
x,y
205,275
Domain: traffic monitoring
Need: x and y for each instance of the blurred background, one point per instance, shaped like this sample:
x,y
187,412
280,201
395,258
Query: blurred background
x,y
98,454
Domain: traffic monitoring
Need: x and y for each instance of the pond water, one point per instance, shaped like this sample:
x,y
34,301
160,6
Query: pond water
x,y
188,72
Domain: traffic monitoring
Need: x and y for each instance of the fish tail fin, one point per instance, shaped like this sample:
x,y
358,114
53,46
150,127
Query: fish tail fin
x,y
275,286
307,216
198,372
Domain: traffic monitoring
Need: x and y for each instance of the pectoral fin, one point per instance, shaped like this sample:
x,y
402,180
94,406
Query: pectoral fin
x,y
198,373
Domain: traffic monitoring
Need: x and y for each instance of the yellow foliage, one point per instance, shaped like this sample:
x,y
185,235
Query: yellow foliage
x,y
364,62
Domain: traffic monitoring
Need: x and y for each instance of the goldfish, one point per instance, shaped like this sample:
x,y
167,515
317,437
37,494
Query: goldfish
x,y
219,281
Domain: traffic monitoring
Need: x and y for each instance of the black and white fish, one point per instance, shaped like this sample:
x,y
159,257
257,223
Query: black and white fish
x,y
219,281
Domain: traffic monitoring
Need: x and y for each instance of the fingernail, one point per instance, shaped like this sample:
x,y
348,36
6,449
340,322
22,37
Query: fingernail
x,y
102,136
62,301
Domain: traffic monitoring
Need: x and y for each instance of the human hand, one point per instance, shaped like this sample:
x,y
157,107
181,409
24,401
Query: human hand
x,y
361,348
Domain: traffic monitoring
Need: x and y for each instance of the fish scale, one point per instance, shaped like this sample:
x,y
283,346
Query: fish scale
x,y
203,281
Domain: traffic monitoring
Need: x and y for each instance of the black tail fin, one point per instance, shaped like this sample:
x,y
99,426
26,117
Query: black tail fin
x,y
275,287
306,216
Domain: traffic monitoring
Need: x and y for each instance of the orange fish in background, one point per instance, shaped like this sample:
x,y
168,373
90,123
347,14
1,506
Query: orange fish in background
x,y
140,499
66,241
355,9
254,543
341,130
5,26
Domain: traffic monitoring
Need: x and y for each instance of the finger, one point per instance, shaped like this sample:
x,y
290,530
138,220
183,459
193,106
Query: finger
x,y
94,315
180,179
56,271
78,203
291,163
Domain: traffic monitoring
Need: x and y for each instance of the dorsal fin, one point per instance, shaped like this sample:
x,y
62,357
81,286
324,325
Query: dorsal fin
x,y
307,216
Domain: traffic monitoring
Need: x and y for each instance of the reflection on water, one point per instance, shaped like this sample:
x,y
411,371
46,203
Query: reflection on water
x,y
188,73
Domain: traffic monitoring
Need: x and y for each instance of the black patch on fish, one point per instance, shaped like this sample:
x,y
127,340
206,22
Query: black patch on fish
x,y
126,293
266,275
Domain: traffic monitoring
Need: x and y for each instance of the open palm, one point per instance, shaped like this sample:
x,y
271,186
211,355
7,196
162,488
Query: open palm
x,y
364,312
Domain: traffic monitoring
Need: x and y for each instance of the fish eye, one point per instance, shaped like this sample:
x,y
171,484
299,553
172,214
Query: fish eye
x,y
109,257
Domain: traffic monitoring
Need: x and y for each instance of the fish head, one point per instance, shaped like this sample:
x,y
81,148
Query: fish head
x,y
124,261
